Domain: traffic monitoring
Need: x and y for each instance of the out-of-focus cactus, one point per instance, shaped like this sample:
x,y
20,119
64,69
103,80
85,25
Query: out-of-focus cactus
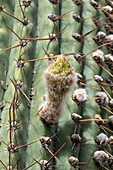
x,y
45,120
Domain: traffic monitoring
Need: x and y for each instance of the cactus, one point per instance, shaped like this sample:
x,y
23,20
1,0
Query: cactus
x,y
55,104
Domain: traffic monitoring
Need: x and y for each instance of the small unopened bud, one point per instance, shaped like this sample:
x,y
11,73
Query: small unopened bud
x,y
54,2
79,95
78,57
73,161
100,37
45,140
100,157
104,99
110,141
109,60
75,138
75,117
78,78
108,8
101,122
77,18
98,56
9,168
77,37
110,120
98,79
101,139
94,4
77,2
52,17
44,164
110,37
109,57
110,162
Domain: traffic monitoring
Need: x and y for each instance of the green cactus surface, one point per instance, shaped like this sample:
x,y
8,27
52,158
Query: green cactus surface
x,y
56,73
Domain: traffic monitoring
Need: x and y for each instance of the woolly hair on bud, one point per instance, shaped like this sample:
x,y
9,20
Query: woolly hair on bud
x,y
59,77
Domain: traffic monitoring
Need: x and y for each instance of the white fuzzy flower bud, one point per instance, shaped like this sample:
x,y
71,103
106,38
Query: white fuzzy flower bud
x,y
60,77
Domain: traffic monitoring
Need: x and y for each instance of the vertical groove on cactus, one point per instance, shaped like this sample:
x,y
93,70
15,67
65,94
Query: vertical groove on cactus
x,y
5,35
69,106
90,108
37,127
13,73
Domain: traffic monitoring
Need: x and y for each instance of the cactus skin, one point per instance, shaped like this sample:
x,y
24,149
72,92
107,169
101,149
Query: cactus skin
x,y
63,122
